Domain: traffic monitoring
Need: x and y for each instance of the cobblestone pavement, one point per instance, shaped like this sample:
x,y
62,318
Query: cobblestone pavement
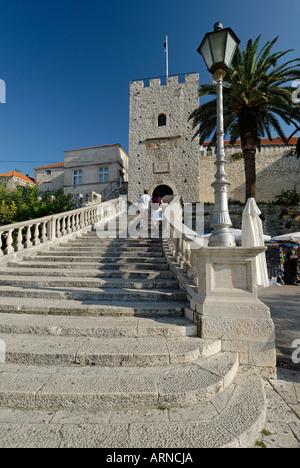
x,y
284,302
282,427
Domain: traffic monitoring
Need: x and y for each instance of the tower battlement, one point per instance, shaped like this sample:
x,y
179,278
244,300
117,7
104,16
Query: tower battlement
x,y
165,81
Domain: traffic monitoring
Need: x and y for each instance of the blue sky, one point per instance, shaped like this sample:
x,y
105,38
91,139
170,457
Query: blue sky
x,y
68,64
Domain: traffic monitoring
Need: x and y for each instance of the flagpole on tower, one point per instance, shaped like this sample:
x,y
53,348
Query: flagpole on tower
x,y
167,56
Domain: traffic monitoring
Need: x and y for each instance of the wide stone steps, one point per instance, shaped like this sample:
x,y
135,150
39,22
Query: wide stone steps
x,y
99,354
92,239
37,262
99,259
97,327
124,247
107,351
78,282
94,248
91,388
158,256
61,307
105,246
71,272
231,419
92,294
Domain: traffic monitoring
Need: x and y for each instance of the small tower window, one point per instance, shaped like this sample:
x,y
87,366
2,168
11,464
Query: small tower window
x,y
162,120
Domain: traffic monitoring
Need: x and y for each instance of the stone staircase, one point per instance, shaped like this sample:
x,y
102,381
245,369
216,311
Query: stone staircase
x,y
99,354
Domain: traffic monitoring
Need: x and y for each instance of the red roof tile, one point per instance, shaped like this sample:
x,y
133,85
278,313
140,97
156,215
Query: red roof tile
x,y
264,141
18,175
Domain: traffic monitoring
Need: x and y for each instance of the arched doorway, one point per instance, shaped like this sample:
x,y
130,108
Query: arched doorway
x,y
165,192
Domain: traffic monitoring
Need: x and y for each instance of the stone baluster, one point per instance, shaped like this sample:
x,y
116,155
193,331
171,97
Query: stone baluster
x,y
183,247
175,246
68,224
28,242
77,217
50,233
74,227
171,243
58,231
187,263
44,237
1,251
81,220
19,245
94,215
36,239
179,251
54,228
193,271
9,243
63,226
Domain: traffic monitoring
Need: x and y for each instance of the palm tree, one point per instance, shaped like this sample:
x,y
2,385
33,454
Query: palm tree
x,y
257,99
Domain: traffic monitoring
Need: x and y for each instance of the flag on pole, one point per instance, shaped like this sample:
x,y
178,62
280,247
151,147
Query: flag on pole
x,y
167,56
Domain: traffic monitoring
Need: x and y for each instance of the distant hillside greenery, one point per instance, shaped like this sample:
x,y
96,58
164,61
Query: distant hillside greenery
x,y
25,203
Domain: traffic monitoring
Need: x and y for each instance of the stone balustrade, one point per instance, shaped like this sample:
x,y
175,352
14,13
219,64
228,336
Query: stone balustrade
x,y
21,236
221,286
182,241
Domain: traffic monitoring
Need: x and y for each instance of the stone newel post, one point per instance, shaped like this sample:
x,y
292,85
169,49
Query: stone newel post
x,y
228,308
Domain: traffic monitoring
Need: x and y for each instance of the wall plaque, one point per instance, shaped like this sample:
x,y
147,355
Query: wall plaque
x,y
163,166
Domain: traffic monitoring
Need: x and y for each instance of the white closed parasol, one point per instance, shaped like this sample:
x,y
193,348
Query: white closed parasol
x,y
253,236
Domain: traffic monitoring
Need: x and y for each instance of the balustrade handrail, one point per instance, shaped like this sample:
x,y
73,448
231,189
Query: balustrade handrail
x,y
182,231
50,227
183,242
63,214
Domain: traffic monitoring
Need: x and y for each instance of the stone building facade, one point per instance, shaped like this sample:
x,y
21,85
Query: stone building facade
x,y
163,154
93,169
49,178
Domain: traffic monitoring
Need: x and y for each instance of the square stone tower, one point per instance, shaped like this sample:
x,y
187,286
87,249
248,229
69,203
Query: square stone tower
x,y
162,153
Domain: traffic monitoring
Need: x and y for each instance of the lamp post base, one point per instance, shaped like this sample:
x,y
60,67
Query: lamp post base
x,y
227,308
222,238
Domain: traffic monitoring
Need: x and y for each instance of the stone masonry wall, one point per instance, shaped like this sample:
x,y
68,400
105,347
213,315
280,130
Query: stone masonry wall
x,y
163,155
276,219
276,171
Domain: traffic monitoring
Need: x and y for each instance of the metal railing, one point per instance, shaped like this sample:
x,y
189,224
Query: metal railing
x,y
110,188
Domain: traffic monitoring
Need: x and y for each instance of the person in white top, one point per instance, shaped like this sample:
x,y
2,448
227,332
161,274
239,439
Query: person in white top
x,y
144,207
